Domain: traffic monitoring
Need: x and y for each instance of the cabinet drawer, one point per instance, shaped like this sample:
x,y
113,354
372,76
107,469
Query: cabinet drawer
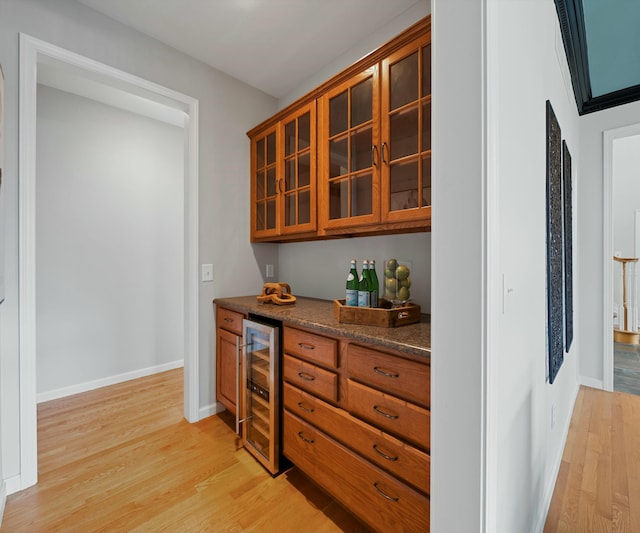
x,y
398,458
311,378
377,498
401,418
310,346
408,379
229,320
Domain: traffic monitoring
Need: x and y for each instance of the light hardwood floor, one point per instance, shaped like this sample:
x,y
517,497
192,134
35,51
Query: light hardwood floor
x,y
122,458
598,486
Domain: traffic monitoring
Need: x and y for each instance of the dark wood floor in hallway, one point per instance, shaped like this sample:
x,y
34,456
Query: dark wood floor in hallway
x,y
122,458
598,485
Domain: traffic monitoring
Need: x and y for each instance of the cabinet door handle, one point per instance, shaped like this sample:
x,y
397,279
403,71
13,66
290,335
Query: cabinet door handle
x,y
305,346
378,370
306,377
384,149
382,454
392,417
384,494
307,409
280,185
374,156
228,320
310,441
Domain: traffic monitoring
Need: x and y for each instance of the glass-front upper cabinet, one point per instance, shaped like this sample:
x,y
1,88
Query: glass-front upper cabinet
x,y
265,215
283,176
406,133
298,187
349,174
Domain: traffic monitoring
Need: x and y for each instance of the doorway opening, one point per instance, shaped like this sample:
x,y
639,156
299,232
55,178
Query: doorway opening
x,y
621,260
35,56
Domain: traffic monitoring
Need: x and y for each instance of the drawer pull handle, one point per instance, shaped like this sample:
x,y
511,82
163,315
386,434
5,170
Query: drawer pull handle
x,y
378,370
307,409
382,454
228,320
392,417
306,377
384,494
305,346
310,441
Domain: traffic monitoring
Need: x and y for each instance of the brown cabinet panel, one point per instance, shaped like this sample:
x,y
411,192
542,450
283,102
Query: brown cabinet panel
x,y
312,378
229,320
406,132
316,348
283,176
392,455
374,496
404,378
398,417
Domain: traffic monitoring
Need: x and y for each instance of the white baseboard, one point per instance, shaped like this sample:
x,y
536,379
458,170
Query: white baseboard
x,y
210,410
591,382
104,382
13,484
551,484
3,499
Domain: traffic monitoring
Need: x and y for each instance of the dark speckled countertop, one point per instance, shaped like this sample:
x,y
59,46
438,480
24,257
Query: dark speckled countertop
x,y
318,314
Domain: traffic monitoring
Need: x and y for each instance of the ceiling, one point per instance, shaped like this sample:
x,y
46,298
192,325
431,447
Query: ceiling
x,y
273,45
602,42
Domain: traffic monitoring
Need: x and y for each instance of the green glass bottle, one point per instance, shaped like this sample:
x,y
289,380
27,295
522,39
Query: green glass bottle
x,y
364,291
374,284
352,285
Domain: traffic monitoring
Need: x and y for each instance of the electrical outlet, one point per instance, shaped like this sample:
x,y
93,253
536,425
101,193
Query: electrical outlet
x,y
269,271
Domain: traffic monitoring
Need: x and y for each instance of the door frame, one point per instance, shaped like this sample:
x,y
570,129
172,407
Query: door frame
x,y
607,247
32,52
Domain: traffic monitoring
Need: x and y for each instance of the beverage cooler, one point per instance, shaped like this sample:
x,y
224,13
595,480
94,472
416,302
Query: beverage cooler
x,y
260,406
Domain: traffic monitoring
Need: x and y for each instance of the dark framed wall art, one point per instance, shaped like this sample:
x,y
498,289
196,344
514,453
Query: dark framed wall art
x,y
567,191
555,257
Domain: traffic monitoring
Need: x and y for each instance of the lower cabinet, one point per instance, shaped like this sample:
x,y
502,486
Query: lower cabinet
x,y
364,439
228,370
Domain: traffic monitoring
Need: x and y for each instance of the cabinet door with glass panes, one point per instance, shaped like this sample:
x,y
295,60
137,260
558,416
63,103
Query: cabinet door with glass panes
x,y
265,197
298,186
406,133
283,171
349,168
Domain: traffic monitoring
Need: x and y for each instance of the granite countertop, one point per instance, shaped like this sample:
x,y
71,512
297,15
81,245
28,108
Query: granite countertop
x,y
318,314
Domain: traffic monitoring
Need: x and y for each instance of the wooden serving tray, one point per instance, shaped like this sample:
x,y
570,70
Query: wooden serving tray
x,y
384,316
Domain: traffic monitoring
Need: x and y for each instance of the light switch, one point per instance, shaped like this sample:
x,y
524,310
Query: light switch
x,y
207,272
269,272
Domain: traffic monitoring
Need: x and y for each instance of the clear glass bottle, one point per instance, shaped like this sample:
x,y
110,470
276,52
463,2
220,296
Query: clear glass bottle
x,y
364,290
374,284
352,285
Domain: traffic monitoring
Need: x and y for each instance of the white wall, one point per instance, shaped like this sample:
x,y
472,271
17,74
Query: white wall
x,y
625,193
319,269
590,235
391,29
498,458
527,67
110,242
3,486
228,109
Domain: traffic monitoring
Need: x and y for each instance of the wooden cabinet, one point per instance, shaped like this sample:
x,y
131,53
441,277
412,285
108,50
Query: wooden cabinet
x,y
373,151
375,144
283,177
228,361
356,420
349,170
406,133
